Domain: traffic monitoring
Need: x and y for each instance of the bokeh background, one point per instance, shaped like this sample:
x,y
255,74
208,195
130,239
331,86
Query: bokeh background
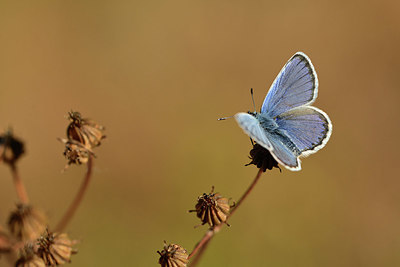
x,y
158,74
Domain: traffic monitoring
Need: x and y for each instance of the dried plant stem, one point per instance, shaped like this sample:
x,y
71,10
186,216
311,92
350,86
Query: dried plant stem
x,y
19,185
202,244
249,189
78,198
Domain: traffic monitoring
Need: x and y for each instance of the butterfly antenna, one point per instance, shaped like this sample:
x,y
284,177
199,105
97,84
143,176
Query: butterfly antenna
x,y
252,98
225,118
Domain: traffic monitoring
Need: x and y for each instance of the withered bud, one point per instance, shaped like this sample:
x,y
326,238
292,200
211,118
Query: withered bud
x,y
212,208
11,148
75,152
84,131
262,158
173,256
28,258
27,223
5,243
55,248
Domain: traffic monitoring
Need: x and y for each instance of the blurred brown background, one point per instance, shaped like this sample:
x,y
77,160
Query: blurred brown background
x,y
158,74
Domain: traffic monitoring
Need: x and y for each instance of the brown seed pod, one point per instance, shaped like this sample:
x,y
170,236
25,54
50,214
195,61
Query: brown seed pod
x,y
84,131
212,208
11,148
27,223
55,248
173,256
28,258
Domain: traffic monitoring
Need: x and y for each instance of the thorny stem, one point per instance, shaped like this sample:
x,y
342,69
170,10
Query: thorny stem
x,y
78,198
202,244
19,185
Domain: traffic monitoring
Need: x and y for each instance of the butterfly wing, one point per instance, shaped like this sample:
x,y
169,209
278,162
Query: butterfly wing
x,y
252,128
282,153
296,85
307,127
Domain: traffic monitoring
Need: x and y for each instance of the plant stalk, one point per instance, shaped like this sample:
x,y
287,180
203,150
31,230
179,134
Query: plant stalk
x,y
19,185
78,198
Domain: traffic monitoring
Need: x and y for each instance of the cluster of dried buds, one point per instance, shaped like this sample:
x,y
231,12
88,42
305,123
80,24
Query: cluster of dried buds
x,y
214,209
28,242
31,240
82,136
50,249
210,208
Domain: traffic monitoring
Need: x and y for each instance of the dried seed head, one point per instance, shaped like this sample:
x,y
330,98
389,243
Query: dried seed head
x,y
212,208
75,152
84,131
262,158
27,223
11,148
55,248
28,258
173,256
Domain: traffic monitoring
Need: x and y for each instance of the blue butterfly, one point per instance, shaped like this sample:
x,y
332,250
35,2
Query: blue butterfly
x,y
288,126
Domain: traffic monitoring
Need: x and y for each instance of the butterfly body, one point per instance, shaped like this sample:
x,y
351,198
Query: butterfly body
x,y
288,126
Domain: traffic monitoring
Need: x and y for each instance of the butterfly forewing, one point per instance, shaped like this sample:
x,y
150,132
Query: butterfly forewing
x,y
252,127
296,85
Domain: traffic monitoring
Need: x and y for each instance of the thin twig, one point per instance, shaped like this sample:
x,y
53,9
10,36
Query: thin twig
x,y
19,185
260,171
203,243
78,198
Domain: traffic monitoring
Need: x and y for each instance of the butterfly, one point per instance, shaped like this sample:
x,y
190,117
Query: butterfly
x,y
287,125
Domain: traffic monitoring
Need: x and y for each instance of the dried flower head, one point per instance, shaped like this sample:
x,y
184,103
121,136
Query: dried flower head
x,y
55,248
84,131
27,223
212,208
28,257
75,152
11,148
262,158
173,256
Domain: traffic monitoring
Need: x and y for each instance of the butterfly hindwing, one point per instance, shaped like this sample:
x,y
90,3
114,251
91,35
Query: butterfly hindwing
x,y
282,153
308,127
296,85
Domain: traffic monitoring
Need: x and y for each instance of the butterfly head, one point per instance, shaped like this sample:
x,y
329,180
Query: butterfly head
x,y
254,114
